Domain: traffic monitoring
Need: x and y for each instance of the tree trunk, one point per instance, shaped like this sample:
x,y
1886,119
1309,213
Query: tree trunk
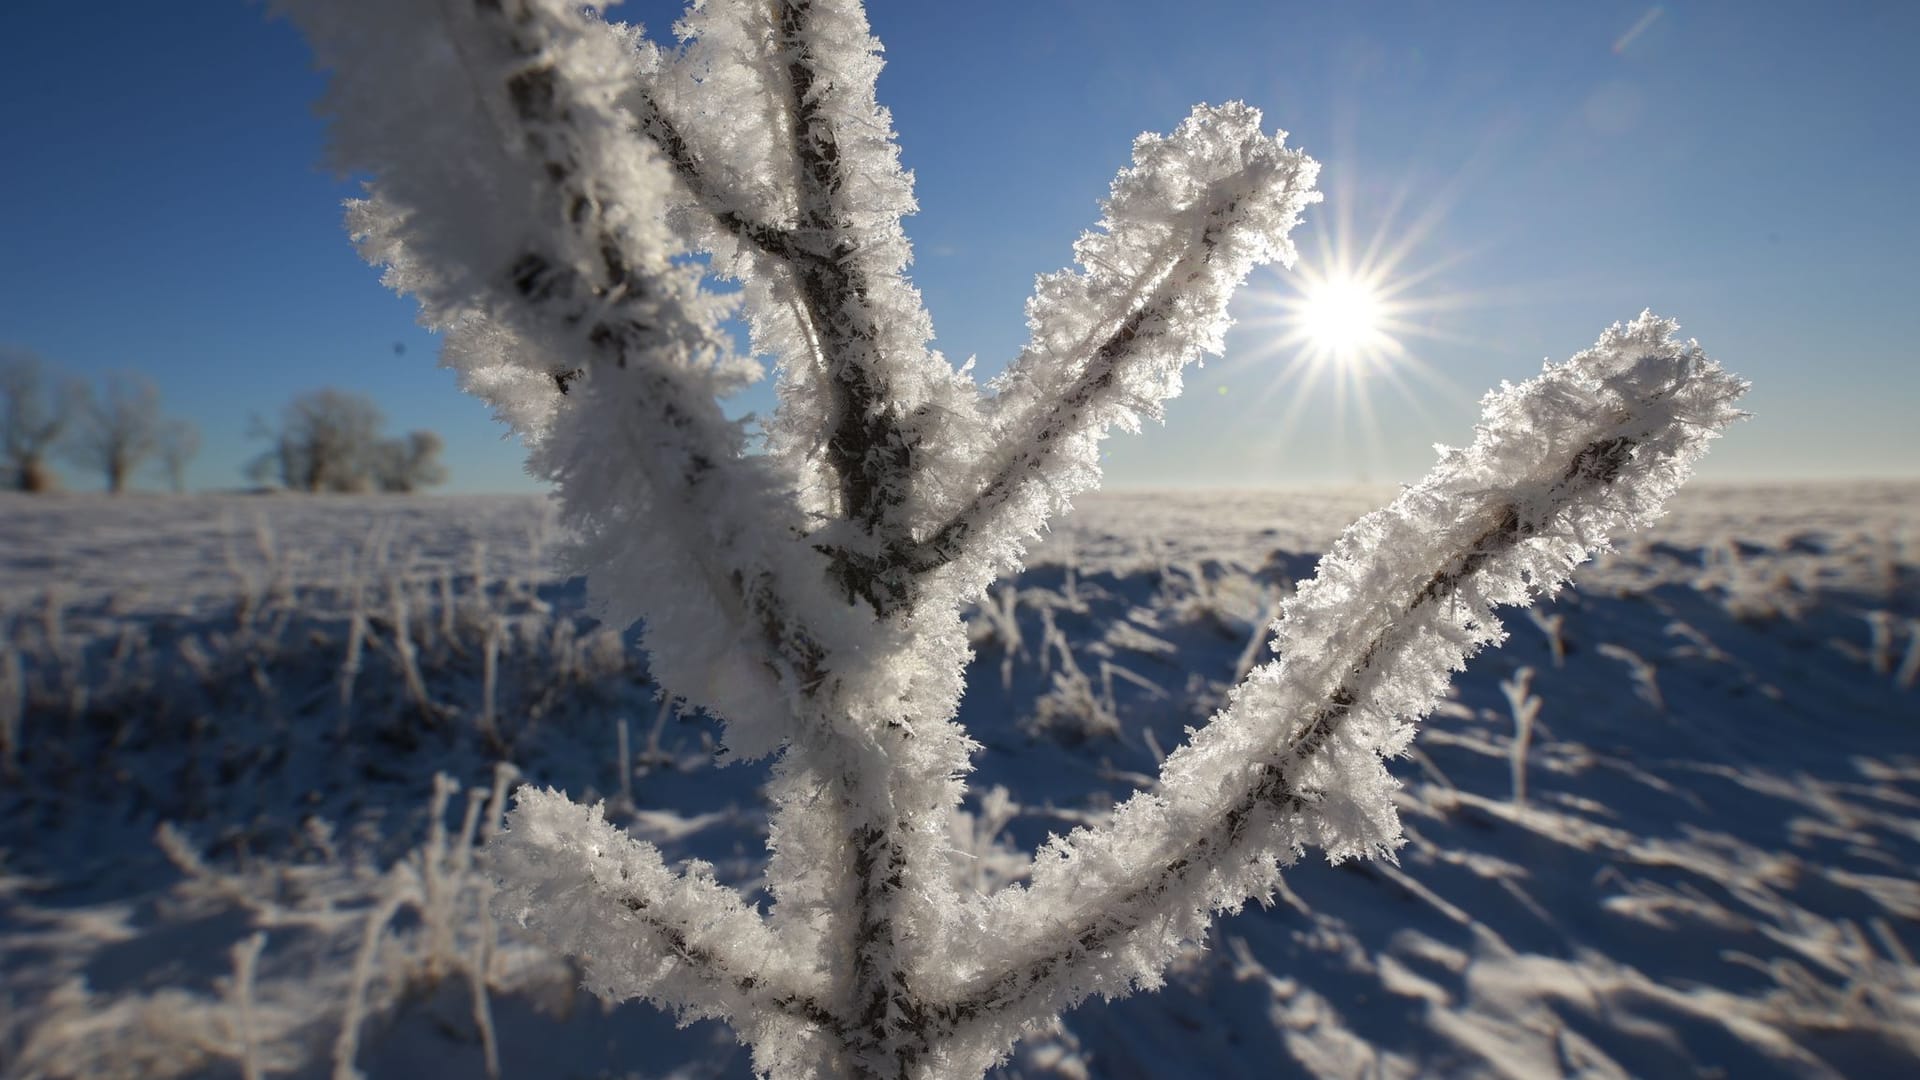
x,y
36,477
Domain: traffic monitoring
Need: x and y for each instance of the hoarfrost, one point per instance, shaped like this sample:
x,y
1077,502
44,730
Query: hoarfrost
x,y
540,176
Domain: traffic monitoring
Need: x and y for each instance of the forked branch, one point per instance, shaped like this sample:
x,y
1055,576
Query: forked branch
x,y
1402,600
722,206
867,446
1096,398
699,947
1199,209
538,187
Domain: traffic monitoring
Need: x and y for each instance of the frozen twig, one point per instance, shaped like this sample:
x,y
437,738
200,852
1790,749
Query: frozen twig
x,y
1880,638
1526,708
1554,628
246,961
1646,677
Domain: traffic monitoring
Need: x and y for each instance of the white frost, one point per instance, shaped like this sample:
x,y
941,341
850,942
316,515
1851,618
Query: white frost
x,y
541,178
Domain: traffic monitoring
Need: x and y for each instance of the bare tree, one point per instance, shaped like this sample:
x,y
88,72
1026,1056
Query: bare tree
x,y
410,463
329,440
119,430
274,465
326,441
32,420
179,442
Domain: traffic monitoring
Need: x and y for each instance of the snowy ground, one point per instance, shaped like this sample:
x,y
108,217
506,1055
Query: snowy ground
x,y
223,847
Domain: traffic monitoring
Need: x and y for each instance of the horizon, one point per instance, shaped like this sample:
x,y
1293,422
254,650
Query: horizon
x,y
1693,486
1522,179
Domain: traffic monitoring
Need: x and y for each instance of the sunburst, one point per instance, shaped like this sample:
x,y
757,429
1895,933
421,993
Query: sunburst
x,y
1340,318
1349,315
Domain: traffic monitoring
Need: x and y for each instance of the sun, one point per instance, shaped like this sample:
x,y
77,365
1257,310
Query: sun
x,y
1341,318
1345,327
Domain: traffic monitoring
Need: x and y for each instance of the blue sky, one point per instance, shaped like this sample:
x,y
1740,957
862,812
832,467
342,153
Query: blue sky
x,y
1540,170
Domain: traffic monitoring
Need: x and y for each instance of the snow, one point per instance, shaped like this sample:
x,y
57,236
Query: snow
x,y
1718,880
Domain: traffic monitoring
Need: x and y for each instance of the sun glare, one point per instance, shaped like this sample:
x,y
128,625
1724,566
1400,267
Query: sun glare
x,y
1341,318
1343,328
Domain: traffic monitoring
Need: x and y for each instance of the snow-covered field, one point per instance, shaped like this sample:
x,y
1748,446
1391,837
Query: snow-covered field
x,y
1669,829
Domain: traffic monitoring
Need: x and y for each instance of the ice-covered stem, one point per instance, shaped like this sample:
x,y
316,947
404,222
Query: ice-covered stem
x,y
791,181
1400,602
856,395
246,962
1525,705
683,941
869,438
1183,227
513,200
707,191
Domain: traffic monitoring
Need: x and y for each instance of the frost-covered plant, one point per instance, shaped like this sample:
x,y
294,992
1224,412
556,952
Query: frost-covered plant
x,y
1646,677
982,862
999,621
239,992
1880,646
441,884
1071,710
540,177
1909,672
1554,627
1752,590
1525,705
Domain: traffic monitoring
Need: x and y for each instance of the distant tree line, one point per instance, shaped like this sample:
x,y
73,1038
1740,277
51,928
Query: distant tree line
x,y
326,441
329,440
113,432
